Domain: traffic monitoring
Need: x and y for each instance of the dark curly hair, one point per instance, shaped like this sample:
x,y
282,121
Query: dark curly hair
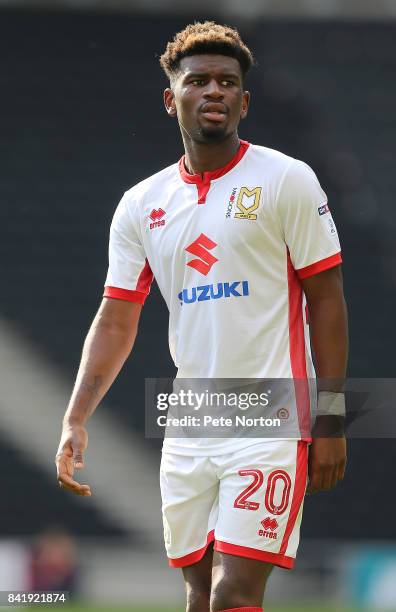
x,y
206,37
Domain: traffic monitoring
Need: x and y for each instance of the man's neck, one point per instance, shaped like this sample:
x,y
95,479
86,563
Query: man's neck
x,y
202,157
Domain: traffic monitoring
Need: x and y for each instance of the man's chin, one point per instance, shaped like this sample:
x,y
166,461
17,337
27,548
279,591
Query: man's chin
x,y
215,133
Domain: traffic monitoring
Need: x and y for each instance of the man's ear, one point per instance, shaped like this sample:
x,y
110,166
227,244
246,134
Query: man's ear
x,y
169,101
245,104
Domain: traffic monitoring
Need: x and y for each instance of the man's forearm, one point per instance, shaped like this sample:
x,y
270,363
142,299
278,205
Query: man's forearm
x,y
106,348
328,324
329,337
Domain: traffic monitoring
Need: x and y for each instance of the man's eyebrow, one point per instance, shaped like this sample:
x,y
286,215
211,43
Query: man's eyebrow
x,y
195,74
227,74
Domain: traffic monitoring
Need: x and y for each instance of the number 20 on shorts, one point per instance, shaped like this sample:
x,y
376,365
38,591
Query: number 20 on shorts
x,y
276,479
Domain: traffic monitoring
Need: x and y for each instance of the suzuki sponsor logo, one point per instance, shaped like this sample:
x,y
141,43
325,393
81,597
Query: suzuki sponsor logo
x,y
215,291
156,218
201,247
270,525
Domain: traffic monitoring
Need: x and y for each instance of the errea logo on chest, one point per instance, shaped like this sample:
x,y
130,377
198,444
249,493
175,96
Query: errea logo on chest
x,y
156,218
244,203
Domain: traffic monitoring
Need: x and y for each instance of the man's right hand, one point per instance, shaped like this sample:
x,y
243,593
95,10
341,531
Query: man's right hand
x,y
106,347
70,456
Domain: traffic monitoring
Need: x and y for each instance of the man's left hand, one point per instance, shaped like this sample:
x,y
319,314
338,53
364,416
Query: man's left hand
x,y
327,462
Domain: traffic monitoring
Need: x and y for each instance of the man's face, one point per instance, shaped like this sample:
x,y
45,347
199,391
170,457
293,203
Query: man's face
x,y
207,97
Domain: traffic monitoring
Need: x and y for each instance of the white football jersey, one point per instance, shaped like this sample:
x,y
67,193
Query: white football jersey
x,y
228,249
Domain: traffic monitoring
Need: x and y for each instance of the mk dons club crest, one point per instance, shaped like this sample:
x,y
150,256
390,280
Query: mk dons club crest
x,y
248,201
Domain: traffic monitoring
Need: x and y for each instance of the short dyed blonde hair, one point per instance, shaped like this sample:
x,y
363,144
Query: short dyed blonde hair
x,y
206,37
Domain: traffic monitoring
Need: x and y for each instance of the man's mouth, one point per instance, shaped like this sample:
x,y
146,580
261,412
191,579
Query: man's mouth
x,y
214,111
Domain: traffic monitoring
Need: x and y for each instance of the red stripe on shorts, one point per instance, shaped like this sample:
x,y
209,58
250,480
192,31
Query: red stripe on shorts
x,y
194,556
254,553
300,484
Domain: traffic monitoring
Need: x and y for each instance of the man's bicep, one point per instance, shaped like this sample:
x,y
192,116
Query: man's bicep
x,y
119,313
325,285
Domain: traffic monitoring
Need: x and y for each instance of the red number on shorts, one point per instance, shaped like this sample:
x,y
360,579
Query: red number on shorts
x,y
241,500
270,492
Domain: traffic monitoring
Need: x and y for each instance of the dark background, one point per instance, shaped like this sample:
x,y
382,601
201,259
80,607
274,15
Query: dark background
x,y
82,120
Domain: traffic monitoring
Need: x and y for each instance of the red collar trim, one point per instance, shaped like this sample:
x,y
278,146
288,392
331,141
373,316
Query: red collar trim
x,y
206,177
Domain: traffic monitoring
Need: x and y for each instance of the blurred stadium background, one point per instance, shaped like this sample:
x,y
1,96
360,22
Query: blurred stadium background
x,y
81,121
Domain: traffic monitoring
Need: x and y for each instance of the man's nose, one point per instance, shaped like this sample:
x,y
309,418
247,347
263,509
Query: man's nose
x,y
213,90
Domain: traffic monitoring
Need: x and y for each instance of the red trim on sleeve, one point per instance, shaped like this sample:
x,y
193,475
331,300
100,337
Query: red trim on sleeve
x,y
300,484
320,266
193,557
254,553
125,294
139,294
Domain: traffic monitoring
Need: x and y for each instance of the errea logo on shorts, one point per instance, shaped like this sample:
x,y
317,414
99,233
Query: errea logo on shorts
x,y
270,525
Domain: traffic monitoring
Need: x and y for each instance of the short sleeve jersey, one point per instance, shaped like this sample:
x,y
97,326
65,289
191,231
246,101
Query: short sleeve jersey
x,y
228,250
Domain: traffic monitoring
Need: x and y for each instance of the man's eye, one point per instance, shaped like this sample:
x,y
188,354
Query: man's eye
x,y
197,82
227,83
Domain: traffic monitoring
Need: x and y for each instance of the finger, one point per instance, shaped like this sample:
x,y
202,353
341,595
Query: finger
x,y
74,486
315,474
78,489
321,478
329,477
66,482
82,490
334,477
341,470
314,482
65,473
311,481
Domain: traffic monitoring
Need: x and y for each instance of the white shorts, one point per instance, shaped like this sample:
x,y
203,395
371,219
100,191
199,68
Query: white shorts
x,y
248,502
